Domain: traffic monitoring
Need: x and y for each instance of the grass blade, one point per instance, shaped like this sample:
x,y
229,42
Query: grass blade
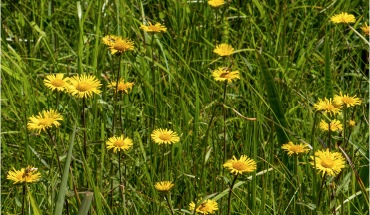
x,y
328,85
85,205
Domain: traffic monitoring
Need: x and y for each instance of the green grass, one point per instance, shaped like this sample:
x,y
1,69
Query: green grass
x,y
288,54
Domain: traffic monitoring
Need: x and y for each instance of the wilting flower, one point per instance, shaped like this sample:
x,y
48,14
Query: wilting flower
x,y
164,186
365,28
343,18
56,82
122,86
25,175
157,28
334,125
328,162
327,106
164,136
224,50
45,120
345,100
121,45
84,86
207,207
222,74
216,3
295,149
119,143
244,164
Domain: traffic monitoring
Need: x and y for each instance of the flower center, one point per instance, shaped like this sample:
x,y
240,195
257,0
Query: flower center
x,y
45,121
296,149
165,137
119,143
226,75
58,82
329,107
204,207
347,100
83,86
121,46
154,28
239,165
327,163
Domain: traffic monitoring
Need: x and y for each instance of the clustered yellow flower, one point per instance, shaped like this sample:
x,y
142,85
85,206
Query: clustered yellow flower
x,y
328,162
164,186
224,50
84,86
207,207
334,125
157,28
122,86
222,74
164,136
343,18
295,149
346,101
56,82
327,106
215,4
45,120
365,28
25,175
119,143
244,164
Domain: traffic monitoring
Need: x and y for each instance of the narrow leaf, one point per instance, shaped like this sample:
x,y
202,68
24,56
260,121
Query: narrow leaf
x,y
85,205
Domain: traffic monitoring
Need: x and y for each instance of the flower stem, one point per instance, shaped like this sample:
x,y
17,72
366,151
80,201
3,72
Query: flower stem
x,y
116,98
153,83
224,113
322,184
84,125
56,151
24,194
169,205
231,190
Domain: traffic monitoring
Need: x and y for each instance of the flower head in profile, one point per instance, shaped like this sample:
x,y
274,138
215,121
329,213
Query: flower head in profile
x,y
224,50
327,162
121,45
122,86
56,82
345,100
295,149
216,3
334,125
244,164
45,120
119,143
365,28
110,40
207,207
157,28
352,124
343,18
164,186
25,175
84,86
164,136
327,106
222,74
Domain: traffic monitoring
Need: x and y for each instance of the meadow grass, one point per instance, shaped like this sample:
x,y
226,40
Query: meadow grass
x,y
289,54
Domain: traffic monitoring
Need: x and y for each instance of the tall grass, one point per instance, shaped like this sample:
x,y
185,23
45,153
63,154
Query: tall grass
x,y
288,54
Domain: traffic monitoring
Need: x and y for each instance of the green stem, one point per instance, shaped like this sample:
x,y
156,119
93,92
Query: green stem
x,y
231,190
84,125
56,151
314,157
24,194
153,82
169,205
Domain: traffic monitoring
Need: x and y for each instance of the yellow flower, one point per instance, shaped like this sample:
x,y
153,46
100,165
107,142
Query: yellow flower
x,y
157,28
164,186
164,136
110,40
221,74
328,162
25,175
352,124
216,3
224,50
121,45
122,86
365,28
346,100
327,106
334,125
343,18
44,120
207,207
295,149
118,143
244,164
84,86
56,82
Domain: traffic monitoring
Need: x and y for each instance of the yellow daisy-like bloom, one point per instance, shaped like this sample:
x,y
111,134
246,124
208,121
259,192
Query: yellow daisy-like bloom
x,y
56,82
216,3
328,162
164,186
121,45
122,86
25,175
157,28
295,149
164,136
352,124
346,100
365,28
221,74
118,143
207,207
84,86
327,106
224,50
343,18
45,120
334,125
244,164
110,40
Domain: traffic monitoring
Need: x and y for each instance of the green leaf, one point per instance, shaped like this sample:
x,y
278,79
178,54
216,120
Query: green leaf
x,y
35,207
307,204
39,157
328,84
85,205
